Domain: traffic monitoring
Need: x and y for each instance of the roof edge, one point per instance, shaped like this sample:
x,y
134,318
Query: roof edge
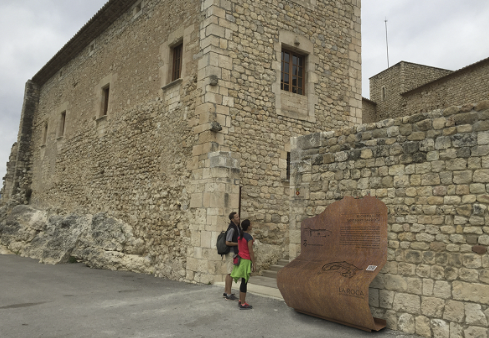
x,y
105,17
452,74
368,100
411,63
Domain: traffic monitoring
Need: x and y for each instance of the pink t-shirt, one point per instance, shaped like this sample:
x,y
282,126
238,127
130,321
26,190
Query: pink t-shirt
x,y
244,252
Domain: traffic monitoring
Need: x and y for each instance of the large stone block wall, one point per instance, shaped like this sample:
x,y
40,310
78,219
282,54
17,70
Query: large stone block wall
x,y
470,84
432,172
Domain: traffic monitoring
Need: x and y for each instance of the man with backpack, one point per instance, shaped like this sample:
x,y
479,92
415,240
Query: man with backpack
x,y
232,234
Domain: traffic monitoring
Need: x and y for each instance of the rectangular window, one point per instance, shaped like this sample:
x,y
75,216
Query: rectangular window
x,y
177,62
292,74
106,92
62,124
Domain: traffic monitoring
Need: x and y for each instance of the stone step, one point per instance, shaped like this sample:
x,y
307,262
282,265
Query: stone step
x,y
275,267
263,281
258,285
270,273
283,262
264,286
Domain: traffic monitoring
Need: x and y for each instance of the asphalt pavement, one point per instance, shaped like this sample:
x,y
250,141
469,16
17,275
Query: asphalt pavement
x,y
71,300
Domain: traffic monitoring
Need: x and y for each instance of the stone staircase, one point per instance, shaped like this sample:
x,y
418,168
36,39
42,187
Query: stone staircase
x,y
266,285
272,273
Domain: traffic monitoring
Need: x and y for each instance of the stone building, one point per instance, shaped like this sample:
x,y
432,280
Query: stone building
x,y
408,88
159,117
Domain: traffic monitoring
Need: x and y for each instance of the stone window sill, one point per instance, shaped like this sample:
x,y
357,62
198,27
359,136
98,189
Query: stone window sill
x,y
101,118
173,83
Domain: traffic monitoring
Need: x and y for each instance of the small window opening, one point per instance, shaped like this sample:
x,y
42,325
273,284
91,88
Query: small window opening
x,y
288,166
292,72
62,124
91,48
177,62
106,92
45,134
384,94
138,8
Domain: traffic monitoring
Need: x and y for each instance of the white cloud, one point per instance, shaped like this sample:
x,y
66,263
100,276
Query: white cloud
x,y
31,32
439,33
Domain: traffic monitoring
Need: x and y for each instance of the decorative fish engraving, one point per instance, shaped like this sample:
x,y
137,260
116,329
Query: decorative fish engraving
x,y
345,269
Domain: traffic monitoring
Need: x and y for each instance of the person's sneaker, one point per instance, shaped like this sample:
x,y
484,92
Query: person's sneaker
x,y
224,295
232,297
245,306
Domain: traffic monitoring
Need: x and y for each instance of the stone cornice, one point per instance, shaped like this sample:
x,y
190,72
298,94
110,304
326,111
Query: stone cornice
x,y
106,16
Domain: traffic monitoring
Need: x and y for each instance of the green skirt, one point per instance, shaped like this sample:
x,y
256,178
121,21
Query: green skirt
x,y
243,270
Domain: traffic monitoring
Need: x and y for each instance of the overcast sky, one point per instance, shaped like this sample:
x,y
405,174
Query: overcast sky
x,y
448,34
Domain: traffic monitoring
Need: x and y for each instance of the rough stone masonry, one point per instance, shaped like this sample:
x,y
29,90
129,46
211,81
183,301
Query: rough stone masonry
x,y
110,138
432,172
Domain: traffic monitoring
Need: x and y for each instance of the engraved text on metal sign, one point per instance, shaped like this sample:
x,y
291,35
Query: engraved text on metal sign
x,y
361,230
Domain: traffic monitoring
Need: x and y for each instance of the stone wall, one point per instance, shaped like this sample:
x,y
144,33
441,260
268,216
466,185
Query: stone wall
x,y
415,75
432,172
469,84
171,159
8,179
369,111
263,117
239,82
17,181
132,162
386,87
384,90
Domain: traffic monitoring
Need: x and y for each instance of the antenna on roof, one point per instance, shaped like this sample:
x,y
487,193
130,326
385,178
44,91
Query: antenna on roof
x,y
386,42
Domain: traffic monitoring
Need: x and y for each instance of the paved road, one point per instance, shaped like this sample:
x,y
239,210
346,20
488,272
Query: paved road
x,y
71,300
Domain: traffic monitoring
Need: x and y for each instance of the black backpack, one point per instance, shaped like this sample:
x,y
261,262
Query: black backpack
x,y
222,248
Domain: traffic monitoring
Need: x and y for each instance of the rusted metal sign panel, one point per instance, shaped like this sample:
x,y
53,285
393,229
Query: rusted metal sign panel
x,y
342,250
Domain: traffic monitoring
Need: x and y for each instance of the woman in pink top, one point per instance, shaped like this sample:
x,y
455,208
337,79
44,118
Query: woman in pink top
x,y
246,265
